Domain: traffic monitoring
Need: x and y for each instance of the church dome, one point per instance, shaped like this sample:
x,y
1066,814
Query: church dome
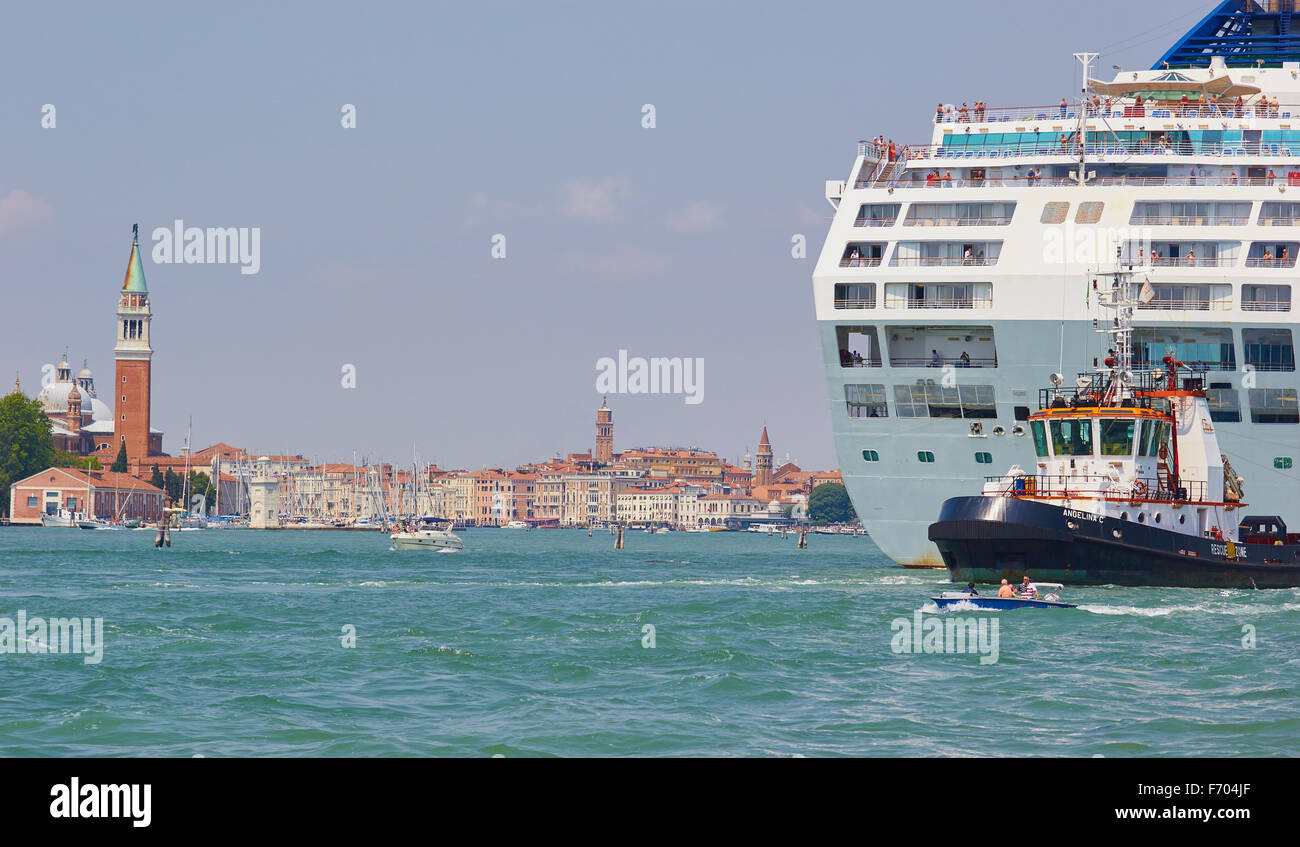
x,y
85,373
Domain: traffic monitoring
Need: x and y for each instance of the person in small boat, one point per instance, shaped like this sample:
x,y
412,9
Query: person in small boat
x,y
1005,590
970,589
1027,590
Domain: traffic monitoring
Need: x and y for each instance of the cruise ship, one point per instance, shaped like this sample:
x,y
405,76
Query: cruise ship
x,y
959,272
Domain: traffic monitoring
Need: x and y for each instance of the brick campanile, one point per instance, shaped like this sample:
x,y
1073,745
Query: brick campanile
x,y
132,355
604,435
763,462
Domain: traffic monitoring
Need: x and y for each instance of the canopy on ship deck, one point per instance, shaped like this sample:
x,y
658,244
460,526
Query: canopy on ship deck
x,y
1173,86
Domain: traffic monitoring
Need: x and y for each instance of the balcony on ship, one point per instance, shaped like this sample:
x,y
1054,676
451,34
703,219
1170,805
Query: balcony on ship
x,y
1279,214
933,295
855,295
959,214
1178,297
877,214
1182,254
1269,348
923,346
1272,254
859,346
862,254
1203,348
932,254
1185,213
1266,298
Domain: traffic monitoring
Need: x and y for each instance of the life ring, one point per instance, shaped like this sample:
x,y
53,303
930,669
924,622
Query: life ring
x,y
1164,452
1139,489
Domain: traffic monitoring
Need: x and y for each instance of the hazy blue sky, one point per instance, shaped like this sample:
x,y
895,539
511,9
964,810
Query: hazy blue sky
x,y
475,119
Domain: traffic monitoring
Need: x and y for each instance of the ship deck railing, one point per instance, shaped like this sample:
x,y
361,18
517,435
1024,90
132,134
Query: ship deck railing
x,y
860,262
1098,150
1189,220
941,261
892,302
917,180
1265,306
927,362
1118,110
1187,305
855,304
1060,486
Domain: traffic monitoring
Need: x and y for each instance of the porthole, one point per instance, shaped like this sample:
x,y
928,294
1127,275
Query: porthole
x,y
999,430
984,458
1123,516
1182,518
1142,517
925,456
1282,463
870,456
1017,430
1157,517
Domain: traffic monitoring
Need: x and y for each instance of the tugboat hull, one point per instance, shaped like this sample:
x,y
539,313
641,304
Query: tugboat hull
x,y
988,539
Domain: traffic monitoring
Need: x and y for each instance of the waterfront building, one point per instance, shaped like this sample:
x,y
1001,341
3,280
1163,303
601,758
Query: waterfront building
x,y
98,494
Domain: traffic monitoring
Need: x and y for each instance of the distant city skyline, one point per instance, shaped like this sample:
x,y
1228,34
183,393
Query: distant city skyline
x,y
377,242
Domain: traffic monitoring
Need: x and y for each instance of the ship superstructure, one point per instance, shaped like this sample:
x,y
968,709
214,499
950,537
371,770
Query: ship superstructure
x,y
957,271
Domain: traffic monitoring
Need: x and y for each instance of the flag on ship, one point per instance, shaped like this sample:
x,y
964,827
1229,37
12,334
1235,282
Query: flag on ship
x,y
1147,294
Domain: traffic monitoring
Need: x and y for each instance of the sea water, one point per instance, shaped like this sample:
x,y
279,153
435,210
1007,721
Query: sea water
x,y
550,642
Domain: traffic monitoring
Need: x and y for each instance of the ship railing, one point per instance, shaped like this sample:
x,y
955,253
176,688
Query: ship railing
x,y
1265,306
1187,305
1084,485
1185,220
927,362
936,220
1099,150
1262,262
851,361
918,180
1116,110
860,262
1187,261
873,221
855,304
1271,366
938,303
941,261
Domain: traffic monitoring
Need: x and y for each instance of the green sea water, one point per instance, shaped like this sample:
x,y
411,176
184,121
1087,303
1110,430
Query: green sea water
x,y
231,643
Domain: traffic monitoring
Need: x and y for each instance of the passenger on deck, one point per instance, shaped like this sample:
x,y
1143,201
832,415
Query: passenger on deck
x,y
935,359
1027,590
965,360
1006,590
1064,106
970,589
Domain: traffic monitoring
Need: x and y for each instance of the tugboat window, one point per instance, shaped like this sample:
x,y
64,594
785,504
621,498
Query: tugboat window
x,y
1117,437
1040,438
1072,437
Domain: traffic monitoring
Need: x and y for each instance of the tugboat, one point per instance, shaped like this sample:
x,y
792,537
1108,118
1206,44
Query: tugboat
x,y
1129,486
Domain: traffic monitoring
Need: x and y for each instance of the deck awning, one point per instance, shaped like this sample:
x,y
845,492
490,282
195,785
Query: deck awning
x,y
1173,86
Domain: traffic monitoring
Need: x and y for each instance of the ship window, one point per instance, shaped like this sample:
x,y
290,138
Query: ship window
x,y
925,456
1274,405
866,401
1269,349
1117,436
855,295
1224,405
1054,212
859,346
1022,413
1282,463
1088,213
984,458
936,401
1040,438
870,456
1072,437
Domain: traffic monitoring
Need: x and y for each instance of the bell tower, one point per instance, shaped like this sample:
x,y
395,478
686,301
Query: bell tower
x,y
132,356
763,462
604,434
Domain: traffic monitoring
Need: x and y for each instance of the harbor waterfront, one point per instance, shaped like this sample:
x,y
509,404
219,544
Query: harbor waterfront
x,y
231,643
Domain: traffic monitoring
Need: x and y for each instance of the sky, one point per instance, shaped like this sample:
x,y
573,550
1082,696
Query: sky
x,y
521,120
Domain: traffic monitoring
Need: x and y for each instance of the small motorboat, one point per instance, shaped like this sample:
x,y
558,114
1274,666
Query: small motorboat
x,y
429,534
1048,598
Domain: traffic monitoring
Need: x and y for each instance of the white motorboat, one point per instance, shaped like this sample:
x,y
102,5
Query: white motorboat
x,y
517,525
429,534
62,518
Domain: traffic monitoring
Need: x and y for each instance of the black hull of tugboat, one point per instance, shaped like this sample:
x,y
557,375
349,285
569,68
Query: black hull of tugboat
x,y
988,539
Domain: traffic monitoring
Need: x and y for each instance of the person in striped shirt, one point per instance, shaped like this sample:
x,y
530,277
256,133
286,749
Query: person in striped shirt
x,y
1027,590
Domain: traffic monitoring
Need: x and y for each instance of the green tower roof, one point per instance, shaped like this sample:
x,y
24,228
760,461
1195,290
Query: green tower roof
x,y
134,279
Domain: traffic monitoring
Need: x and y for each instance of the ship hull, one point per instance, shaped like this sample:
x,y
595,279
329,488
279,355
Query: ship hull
x,y
988,539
